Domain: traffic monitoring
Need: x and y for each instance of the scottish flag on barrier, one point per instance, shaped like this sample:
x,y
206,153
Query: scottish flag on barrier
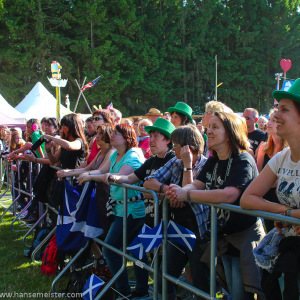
x,y
79,220
152,238
91,287
136,247
181,235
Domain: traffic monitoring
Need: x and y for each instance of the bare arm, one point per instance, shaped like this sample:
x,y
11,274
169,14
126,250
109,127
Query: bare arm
x,y
226,195
71,146
252,197
187,159
260,157
129,179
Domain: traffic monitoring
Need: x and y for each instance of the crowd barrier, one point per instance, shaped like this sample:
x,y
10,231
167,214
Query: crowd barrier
x,y
165,276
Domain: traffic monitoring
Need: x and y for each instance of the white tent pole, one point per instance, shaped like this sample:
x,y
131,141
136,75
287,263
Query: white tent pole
x,y
81,93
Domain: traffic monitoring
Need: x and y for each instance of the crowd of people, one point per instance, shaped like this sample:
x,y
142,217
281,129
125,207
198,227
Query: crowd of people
x,y
243,160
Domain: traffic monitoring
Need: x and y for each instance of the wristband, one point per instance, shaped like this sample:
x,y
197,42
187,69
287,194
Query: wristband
x,y
188,195
161,188
288,212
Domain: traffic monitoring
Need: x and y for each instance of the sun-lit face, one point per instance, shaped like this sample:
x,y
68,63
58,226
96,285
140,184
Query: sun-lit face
x,y
271,125
261,124
89,127
49,128
206,118
142,130
117,139
97,120
175,120
158,143
216,134
177,149
29,129
287,120
250,120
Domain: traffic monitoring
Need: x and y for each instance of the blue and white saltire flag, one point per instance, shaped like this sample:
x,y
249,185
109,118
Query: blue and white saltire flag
x,y
91,287
152,238
136,247
286,85
79,220
181,235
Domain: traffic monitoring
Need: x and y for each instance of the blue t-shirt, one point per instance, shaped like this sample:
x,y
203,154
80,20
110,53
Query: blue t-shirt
x,y
134,158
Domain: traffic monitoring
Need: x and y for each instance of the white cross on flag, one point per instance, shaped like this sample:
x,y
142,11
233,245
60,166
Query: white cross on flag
x,y
152,238
136,247
181,235
91,287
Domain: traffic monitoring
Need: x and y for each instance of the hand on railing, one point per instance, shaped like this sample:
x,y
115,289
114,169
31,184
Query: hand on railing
x,y
84,177
176,195
29,157
63,173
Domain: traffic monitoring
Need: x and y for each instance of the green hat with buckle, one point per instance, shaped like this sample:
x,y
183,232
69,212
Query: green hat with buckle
x,y
163,126
293,93
183,108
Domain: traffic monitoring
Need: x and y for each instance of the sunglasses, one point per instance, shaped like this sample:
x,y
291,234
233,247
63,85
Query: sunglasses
x,y
97,119
116,133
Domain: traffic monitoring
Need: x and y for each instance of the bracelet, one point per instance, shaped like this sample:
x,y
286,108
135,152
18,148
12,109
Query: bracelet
x,y
288,212
188,195
161,188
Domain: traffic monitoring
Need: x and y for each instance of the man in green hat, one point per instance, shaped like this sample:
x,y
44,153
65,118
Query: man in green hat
x,y
161,149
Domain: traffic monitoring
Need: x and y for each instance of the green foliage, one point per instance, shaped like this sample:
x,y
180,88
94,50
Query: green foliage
x,y
158,52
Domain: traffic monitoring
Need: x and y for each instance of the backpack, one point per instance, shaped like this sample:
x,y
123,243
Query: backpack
x,y
76,284
50,259
39,235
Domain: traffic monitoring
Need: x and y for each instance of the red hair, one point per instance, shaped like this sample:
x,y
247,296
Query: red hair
x,y
128,134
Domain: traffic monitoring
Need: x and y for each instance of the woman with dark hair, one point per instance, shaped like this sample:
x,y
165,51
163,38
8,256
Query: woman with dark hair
x,y
282,170
126,159
224,177
73,147
181,114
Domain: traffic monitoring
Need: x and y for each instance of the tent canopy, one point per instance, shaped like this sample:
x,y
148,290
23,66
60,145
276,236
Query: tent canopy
x,y
10,122
9,111
40,103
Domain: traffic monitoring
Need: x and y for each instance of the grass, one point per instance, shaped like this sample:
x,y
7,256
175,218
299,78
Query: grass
x,y
18,274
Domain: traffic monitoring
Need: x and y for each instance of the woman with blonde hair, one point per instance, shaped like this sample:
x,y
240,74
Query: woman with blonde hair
x,y
224,177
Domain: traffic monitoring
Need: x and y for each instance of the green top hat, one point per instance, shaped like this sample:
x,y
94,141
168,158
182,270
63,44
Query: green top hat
x,y
163,126
182,108
293,92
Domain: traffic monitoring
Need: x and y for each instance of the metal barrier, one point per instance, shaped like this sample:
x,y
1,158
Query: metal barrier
x,y
165,276
123,253
213,248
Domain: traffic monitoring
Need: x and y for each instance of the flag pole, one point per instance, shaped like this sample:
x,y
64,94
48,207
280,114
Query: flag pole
x,y
79,93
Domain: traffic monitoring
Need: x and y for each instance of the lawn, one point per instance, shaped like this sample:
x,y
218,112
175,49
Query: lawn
x,y
18,274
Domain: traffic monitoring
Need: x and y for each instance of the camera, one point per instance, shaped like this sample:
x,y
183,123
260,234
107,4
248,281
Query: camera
x,y
27,152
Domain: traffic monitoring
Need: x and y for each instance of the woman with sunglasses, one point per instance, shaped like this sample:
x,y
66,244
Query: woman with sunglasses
x,y
125,160
100,116
282,170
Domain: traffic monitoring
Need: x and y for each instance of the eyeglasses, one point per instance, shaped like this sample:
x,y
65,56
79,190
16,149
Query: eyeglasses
x,y
176,147
207,113
97,119
116,133
63,127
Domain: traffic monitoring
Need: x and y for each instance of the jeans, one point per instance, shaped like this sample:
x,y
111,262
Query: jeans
x,y
177,258
115,238
234,278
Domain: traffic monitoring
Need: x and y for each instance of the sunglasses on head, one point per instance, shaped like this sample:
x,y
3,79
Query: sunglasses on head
x,y
97,118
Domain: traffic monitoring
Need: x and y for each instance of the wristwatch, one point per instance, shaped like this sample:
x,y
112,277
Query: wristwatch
x,y
187,169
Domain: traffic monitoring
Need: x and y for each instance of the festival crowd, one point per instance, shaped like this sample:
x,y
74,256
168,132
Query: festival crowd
x,y
246,160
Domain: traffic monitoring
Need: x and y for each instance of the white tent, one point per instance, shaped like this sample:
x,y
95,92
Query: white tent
x,y
10,112
40,103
